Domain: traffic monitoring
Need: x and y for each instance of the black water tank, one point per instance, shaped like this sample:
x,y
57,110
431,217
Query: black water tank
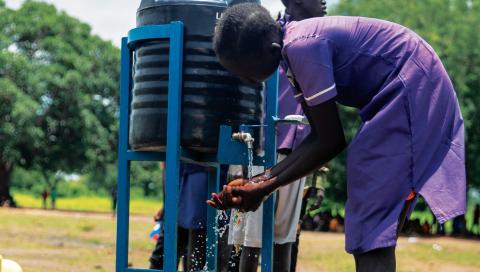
x,y
210,95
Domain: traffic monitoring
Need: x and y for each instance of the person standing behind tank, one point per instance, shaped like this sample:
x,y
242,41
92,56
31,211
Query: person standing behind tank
x,y
289,197
192,218
410,142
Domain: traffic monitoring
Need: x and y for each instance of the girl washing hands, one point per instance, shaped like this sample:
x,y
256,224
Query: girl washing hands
x,y
410,142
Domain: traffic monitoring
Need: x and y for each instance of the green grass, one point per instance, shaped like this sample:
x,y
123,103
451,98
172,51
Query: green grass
x,y
42,240
90,203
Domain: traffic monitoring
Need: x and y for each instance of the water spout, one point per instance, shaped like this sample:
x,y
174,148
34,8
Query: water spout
x,y
248,140
244,137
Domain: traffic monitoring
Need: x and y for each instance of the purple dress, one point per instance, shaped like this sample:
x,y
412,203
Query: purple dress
x,y
412,134
288,136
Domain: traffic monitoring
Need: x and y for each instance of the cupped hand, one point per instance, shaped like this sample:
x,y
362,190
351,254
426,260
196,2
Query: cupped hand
x,y
225,200
237,182
251,196
246,197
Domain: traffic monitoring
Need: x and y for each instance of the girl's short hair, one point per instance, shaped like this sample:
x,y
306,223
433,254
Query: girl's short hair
x,y
244,31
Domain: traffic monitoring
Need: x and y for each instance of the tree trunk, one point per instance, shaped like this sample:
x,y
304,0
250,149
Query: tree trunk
x,y
6,169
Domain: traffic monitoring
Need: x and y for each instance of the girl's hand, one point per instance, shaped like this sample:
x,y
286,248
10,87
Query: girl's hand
x,y
224,200
261,177
247,197
237,182
250,196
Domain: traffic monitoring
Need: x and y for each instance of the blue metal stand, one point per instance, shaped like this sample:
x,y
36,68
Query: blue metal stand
x,y
174,154
271,160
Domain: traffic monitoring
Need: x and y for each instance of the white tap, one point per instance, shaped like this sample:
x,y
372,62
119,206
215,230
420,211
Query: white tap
x,y
244,137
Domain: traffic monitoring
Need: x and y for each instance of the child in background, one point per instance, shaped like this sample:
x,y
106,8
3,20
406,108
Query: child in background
x,y
289,197
245,231
192,218
410,142
44,198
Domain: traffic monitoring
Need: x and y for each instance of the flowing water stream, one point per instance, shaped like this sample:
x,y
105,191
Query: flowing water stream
x,y
250,163
223,216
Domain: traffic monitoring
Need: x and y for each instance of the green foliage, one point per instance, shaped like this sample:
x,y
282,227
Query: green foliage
x,y
27,180
148,176
17,117
146,179
74,189
79,76
59,93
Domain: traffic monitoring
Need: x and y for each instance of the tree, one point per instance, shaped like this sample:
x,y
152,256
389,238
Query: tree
x,y
451,27
18,132
69,77
17,115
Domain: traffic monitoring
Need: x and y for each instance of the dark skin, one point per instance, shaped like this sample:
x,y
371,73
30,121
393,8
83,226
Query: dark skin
x,y
326,139
304,9
317,149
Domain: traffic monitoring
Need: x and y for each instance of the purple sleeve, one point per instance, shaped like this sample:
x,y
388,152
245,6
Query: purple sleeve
x,y
310,62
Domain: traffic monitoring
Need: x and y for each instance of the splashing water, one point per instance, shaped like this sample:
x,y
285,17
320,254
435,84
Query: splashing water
x,y
250,163
221,216
219,232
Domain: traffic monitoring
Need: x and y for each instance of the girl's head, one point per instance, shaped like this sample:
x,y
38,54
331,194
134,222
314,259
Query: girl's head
x,y
248,42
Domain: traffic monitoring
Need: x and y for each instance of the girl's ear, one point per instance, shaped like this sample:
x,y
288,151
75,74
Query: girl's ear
x,y
275,49
276,45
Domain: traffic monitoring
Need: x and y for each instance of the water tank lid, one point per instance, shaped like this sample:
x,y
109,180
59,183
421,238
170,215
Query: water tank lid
x,y
145,4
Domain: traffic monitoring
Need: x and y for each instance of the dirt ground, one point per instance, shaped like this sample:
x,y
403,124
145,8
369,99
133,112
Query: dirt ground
x,y
42,240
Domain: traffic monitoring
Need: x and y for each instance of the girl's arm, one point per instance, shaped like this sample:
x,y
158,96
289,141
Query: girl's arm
x,y
326,140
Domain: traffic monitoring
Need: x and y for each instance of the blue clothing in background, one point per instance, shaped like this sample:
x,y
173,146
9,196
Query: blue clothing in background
x,y
192,209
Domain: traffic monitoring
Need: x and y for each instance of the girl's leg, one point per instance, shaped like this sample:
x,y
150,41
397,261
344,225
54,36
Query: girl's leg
x,y
282,257
293,263
249,259
377,260
156,260
234,260
223,253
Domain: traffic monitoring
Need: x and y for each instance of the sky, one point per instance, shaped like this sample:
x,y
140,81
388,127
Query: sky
x,y
111,19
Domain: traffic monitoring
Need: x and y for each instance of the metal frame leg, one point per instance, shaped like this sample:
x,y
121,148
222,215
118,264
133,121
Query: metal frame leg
x,y
174,31
271,157
123,190
173,146
123,193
